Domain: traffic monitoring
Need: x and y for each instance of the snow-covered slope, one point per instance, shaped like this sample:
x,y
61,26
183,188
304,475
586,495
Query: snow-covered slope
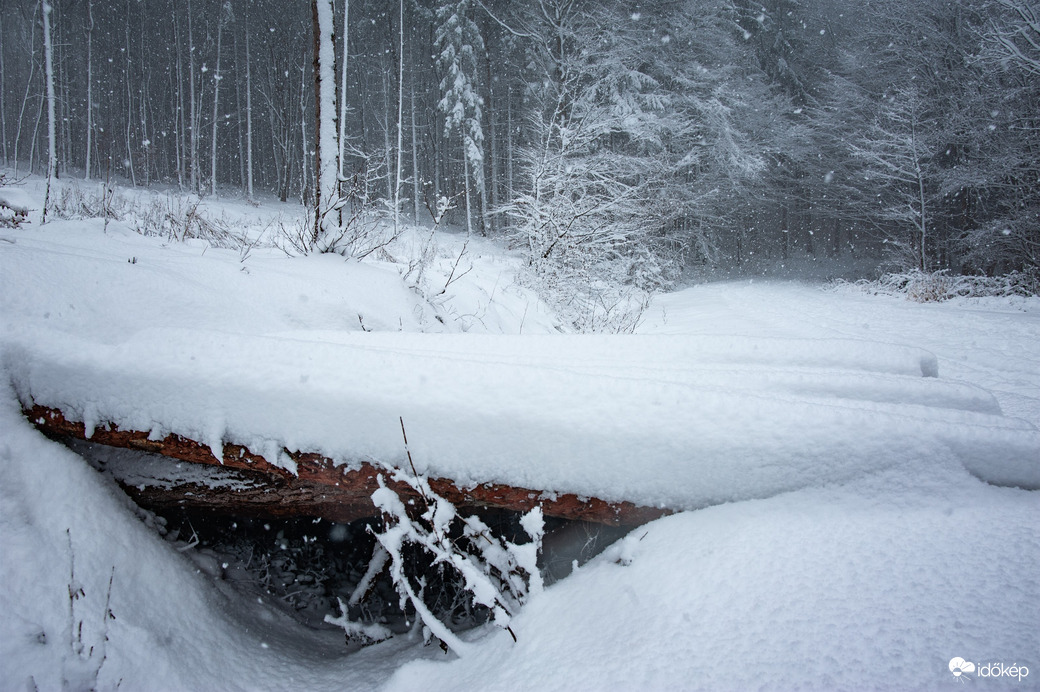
x,y
672,421
871,585
872,556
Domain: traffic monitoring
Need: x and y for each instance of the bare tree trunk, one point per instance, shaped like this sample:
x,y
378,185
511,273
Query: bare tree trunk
x,y
923,259
90,89
343,88
238,115
216,111
52,159
36,133
3,90
129,103
178,140
509,145
400,114
62,119
303,131
465,179
485,221
193,120
388,149
493,163
146,142
249,122
326,165
415,161
437,153
25,98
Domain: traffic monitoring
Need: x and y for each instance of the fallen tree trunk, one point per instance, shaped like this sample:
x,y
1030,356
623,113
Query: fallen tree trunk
x,y
250,484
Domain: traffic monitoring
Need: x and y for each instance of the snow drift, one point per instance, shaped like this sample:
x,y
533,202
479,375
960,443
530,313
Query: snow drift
x,y
677,422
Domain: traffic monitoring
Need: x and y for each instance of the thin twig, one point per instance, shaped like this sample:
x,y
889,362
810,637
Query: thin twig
x,y
415,474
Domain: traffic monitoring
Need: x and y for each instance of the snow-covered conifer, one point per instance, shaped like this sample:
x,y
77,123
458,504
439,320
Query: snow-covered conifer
x,y
458,42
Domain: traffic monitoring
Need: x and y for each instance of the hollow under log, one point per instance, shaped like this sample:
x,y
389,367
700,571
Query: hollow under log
x,y
320,488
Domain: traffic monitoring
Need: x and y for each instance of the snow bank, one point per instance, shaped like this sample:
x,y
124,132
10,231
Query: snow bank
x,y
70,276
681,422
873,585
174,628
270,352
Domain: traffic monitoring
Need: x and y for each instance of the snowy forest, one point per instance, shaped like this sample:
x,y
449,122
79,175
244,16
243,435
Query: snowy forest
x,y
616,142
519,344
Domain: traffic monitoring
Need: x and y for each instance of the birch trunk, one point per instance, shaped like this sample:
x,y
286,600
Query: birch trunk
x,y
326,168
304,197
249,122
179,143
48,60
25,97
129,104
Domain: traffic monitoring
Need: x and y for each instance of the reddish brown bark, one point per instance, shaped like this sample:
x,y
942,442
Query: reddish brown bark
x,y
320,488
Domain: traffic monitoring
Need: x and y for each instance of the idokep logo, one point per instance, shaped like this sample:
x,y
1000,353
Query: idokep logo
x,y
960,669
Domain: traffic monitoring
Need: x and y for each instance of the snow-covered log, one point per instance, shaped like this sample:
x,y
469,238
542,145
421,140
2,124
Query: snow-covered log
x,y
320,488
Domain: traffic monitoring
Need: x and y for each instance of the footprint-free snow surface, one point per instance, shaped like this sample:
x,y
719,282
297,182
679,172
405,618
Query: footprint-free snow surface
x,y
851,447
677,421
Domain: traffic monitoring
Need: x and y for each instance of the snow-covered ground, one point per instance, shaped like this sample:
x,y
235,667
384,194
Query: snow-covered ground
x,y
842,534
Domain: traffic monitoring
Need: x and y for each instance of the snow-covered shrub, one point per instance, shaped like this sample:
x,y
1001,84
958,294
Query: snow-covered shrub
x,y
497,574
928,287
95,202
590,299
172,217
353,227
183,218
923,287
360,230
14,204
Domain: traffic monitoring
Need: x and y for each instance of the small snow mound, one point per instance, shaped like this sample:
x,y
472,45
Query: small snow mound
x,y
16,199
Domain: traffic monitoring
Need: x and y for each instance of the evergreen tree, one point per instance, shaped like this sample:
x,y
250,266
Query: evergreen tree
x,y
459,41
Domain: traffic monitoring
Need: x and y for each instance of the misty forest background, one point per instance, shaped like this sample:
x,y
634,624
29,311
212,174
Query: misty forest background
x,y
614,143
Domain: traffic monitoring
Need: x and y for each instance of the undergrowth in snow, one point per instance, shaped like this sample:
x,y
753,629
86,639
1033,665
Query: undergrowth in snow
x,y
928,287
